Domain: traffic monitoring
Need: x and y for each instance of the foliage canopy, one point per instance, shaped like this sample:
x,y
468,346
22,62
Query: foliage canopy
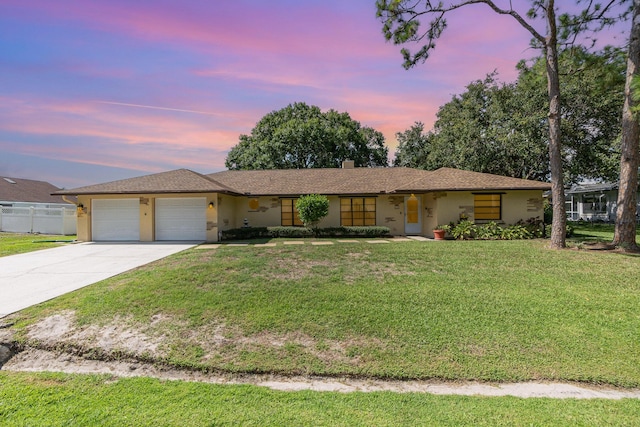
x,y
302,136
502,128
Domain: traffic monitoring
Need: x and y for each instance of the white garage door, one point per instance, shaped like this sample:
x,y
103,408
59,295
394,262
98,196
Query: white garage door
x,y
181,218
116,220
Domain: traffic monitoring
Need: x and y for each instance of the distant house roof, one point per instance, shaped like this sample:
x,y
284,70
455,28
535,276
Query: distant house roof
x,y
592,188
176,181
27,190
293,182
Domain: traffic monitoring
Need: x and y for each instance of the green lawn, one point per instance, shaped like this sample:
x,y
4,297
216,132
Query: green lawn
x,y
17,243
89,400
452,310
594,232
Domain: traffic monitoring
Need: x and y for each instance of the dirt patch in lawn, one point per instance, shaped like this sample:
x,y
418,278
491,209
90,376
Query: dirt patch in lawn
x,y
41,360
165,336
119,348
60,329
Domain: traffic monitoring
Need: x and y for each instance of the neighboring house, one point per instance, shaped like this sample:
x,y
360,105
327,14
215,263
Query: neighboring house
x,y
593,202
18,192
28,206
185,205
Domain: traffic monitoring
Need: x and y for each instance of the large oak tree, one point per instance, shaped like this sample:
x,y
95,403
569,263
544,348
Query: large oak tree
x,y
302,136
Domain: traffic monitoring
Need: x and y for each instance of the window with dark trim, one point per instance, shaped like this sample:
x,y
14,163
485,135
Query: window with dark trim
x,y
289,214
358,211
487,206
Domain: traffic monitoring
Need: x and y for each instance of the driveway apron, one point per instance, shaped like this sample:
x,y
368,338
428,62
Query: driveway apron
x,y
34,277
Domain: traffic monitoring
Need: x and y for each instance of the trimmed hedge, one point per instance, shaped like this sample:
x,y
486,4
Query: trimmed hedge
x,y
246,233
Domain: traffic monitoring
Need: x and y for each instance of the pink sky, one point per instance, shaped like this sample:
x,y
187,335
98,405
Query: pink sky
x,y
109,89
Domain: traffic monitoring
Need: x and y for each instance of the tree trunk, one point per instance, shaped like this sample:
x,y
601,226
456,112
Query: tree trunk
x,y
559,224
625,234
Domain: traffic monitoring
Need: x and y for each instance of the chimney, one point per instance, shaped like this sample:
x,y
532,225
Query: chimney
x,y
348,164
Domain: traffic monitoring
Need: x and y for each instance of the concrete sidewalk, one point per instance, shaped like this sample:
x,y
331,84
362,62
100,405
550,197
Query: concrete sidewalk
x,y
35,277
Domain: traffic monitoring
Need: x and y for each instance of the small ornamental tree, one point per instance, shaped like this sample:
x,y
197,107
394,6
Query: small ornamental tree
x,y
311,209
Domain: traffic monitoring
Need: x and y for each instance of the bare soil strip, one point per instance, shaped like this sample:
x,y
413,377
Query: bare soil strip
x,y
33,360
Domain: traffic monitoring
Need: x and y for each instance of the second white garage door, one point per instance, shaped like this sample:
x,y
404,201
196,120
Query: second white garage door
x,y
181,218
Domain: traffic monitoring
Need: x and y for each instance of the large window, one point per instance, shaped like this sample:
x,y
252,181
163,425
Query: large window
x,y
358,211
289,214
487,206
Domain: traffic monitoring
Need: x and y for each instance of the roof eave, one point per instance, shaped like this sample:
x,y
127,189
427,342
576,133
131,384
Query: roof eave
x,y
106,193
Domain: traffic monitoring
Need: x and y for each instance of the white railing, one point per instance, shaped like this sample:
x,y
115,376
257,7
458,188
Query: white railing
x,y
38,220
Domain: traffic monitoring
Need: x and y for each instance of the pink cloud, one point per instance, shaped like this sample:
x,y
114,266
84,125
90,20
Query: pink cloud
x,y
114,137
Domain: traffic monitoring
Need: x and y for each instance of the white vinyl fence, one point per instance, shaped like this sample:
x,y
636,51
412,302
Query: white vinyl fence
x,y
38,220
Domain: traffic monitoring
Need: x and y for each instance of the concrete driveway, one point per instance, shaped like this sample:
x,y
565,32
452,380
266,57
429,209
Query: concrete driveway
x,y
35,277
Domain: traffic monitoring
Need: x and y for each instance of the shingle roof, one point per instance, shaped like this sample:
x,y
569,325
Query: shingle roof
x,y
321,181
367,181
293,182
448,179
176,181
589,188
27,190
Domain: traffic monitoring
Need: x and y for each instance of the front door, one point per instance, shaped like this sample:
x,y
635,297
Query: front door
x,y
412,217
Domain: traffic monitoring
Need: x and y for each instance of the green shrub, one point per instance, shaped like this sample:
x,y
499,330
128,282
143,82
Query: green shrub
x,y
515,232
548,211
311,209
246,233
534,225
488,231
283,231
464,229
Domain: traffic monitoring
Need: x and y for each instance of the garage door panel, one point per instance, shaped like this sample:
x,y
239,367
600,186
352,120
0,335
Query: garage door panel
x,y
181,218
116,220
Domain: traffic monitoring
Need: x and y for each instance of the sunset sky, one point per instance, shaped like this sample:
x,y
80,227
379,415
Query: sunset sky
x,y
94,91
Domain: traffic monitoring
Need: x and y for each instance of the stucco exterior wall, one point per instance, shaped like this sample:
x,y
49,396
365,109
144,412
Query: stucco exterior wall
x,y
389,212
259,211
226,212
83,218
522,205
212,217
430,214
450,205
516,206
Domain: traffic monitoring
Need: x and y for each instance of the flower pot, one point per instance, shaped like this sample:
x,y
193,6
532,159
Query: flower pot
x,y
438,234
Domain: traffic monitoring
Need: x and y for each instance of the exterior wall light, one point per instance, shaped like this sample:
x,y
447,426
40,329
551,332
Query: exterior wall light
x,y
210,205
80,208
